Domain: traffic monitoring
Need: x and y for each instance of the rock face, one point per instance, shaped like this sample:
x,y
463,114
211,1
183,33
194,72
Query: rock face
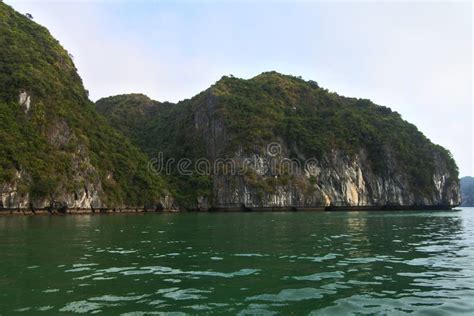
x,y
339,180
55,150
279,141
25,100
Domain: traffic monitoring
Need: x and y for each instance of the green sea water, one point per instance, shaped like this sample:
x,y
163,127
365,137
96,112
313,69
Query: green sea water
x,y
418,263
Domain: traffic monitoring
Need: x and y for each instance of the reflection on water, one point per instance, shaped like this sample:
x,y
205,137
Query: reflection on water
x,y
241,263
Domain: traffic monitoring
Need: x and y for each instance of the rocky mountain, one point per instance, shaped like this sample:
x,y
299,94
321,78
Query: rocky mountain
x,y
467,191
280,141
54,147
270,141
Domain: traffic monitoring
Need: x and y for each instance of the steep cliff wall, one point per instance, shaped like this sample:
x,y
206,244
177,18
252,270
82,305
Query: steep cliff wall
x,y
337,179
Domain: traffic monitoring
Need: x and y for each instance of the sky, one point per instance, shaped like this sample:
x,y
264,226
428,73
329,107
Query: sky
x,y
414,57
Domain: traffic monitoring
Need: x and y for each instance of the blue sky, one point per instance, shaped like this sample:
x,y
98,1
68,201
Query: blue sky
x,y
415,57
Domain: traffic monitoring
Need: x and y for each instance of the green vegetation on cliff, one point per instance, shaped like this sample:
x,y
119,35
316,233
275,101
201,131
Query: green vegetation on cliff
x,y
317,121
310,119
54,142
57,133
130,113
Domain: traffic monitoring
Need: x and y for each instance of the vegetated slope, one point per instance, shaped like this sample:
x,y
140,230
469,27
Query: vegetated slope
x,y
360,153
131,113
467,191
54,147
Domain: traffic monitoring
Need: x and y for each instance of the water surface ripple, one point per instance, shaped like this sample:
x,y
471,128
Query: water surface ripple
x,y
239,263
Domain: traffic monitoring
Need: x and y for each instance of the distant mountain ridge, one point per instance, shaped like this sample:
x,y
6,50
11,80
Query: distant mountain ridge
x,y
467,191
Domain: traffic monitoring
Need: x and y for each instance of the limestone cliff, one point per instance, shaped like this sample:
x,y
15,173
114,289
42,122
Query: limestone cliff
x,y
295,145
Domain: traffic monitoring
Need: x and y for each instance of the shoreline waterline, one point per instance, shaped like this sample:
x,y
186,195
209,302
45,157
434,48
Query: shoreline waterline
x,y
115,211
